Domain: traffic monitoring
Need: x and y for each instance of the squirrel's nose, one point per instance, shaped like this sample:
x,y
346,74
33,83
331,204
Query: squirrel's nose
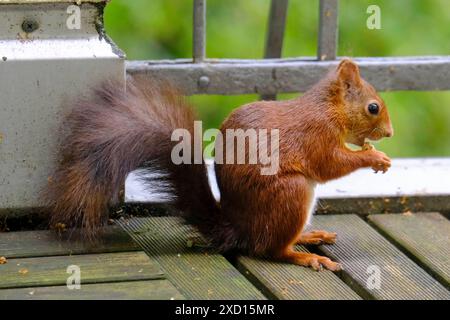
x,y
389,132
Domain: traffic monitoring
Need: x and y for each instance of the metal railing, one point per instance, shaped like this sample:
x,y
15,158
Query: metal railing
x,y
273,75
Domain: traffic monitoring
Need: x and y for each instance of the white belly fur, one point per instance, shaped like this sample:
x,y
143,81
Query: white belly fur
x,y
212,179
312,201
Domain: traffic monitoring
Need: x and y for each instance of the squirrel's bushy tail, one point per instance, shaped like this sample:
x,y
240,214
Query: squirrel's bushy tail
x,y
113,133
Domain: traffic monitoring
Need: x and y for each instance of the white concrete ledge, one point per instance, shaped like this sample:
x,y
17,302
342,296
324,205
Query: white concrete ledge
x,y
410,185
407,177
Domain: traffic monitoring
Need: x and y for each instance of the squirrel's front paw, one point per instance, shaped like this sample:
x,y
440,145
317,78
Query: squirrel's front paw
x,y
379,161
367,146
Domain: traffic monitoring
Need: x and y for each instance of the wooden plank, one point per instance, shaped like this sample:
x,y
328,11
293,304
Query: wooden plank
x,y
199,31
47,243
196,272
273,76
94,268
275,34
364,252
135,290
287,281
328,30
375,205
276,27
426,236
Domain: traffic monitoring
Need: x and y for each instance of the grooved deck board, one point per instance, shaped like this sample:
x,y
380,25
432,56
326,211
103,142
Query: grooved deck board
x,y
359,247
197,273
94,268
46,243
287,281
425,235
135,290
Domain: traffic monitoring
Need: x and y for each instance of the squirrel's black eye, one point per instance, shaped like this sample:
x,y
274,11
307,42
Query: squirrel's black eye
x,y
373,108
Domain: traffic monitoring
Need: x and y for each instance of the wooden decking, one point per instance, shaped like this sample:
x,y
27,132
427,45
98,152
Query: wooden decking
x,y
166,259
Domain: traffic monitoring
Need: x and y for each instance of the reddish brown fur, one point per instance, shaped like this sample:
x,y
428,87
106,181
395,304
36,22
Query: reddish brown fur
x,y
260,215
267,213
111,134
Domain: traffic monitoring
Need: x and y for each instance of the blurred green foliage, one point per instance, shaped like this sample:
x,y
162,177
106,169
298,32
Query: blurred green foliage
x,y
162,29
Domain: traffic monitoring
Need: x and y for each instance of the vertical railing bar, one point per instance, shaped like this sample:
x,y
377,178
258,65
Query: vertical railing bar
x,y
199,31
275,33
328,30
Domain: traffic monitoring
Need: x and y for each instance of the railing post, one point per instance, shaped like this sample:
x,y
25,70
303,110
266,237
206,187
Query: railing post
x,y
275,34
328,30
199,30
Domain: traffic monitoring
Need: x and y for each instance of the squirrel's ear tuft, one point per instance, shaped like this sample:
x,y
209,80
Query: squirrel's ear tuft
x,y
348,72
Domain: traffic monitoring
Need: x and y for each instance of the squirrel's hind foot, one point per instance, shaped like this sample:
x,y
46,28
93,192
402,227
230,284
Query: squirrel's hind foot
x,y
309,260
317,237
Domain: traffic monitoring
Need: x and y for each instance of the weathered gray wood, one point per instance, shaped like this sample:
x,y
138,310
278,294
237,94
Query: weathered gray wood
x,y
426,236
199,34
275,34
363,252
196,272
374,205
328,30
135,290
94,268
47,243
294,75
276,27
287,281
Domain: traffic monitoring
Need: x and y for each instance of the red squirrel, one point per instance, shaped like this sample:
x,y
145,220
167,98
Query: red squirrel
x,y
118,131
